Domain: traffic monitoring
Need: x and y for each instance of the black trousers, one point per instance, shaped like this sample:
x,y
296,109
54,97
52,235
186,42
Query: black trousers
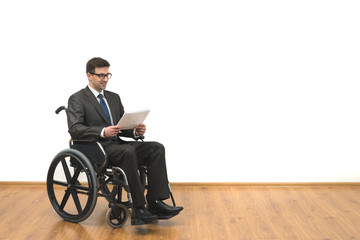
x,y
129,155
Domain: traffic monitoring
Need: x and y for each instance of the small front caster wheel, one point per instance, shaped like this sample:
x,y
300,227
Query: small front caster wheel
x,y
116,218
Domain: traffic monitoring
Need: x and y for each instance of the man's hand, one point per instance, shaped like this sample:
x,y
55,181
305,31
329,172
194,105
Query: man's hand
x,y
111,131
140,130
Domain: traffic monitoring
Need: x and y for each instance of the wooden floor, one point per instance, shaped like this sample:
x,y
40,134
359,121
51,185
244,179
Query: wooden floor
x,y
211,212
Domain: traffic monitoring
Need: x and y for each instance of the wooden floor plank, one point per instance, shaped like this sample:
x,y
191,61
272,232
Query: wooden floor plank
x,y
211,212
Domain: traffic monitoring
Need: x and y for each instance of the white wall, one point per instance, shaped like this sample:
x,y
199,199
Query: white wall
x,y
239,91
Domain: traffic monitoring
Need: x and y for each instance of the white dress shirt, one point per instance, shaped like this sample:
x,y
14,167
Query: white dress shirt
x,y
96,94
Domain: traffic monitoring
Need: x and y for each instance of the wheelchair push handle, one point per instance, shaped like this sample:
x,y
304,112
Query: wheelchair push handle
x,y
60,109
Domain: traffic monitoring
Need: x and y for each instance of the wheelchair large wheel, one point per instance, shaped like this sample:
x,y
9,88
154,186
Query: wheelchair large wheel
x,y
71,175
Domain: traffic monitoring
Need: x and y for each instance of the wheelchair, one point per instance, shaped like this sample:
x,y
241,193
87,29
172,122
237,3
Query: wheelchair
x,y
82,172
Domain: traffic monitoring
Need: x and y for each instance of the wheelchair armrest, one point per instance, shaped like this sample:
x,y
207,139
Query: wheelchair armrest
x,y
141,137
74,140
93,150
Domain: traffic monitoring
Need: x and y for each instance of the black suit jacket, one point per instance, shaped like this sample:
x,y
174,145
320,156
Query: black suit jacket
x,y
86,119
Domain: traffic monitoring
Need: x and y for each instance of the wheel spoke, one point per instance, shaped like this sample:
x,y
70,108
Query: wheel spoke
x,y
76,200
59,183
64,200
70,180
79,187
76,175
66,170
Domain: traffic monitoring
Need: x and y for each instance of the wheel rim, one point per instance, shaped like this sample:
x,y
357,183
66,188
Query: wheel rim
x,y
71,176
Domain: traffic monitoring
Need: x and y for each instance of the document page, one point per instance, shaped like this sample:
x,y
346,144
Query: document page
x,y
132,119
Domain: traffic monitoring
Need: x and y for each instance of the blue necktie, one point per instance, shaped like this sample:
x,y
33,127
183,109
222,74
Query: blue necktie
x,y
104,108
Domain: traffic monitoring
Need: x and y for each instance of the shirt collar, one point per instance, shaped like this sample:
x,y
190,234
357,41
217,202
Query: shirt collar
x,y
96,93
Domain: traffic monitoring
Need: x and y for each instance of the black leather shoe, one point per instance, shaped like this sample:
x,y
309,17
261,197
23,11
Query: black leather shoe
x,y
162,210
142,216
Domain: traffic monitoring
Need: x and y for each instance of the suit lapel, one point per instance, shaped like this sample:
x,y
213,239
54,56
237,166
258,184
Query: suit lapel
x,y
93,101
113,107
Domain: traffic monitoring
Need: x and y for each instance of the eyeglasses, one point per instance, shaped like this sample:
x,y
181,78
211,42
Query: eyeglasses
x,y
102,76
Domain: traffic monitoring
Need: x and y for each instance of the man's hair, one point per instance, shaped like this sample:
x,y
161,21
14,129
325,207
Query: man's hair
x,y
96,63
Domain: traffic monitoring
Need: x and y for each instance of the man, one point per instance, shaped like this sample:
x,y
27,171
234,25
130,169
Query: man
x,y
93,113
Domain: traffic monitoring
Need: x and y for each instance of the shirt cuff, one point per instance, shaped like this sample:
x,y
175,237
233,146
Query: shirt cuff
x,y
102,134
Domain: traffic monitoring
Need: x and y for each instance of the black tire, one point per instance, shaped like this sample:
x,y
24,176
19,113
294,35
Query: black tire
x,y
71,174
117,220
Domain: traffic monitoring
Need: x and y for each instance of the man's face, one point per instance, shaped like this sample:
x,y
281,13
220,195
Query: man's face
x,y
95,81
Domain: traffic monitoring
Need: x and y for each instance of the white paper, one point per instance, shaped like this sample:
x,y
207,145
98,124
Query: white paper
x,y
132,119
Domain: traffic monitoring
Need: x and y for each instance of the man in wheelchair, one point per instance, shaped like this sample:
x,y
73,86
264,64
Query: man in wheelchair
x,y
92,114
